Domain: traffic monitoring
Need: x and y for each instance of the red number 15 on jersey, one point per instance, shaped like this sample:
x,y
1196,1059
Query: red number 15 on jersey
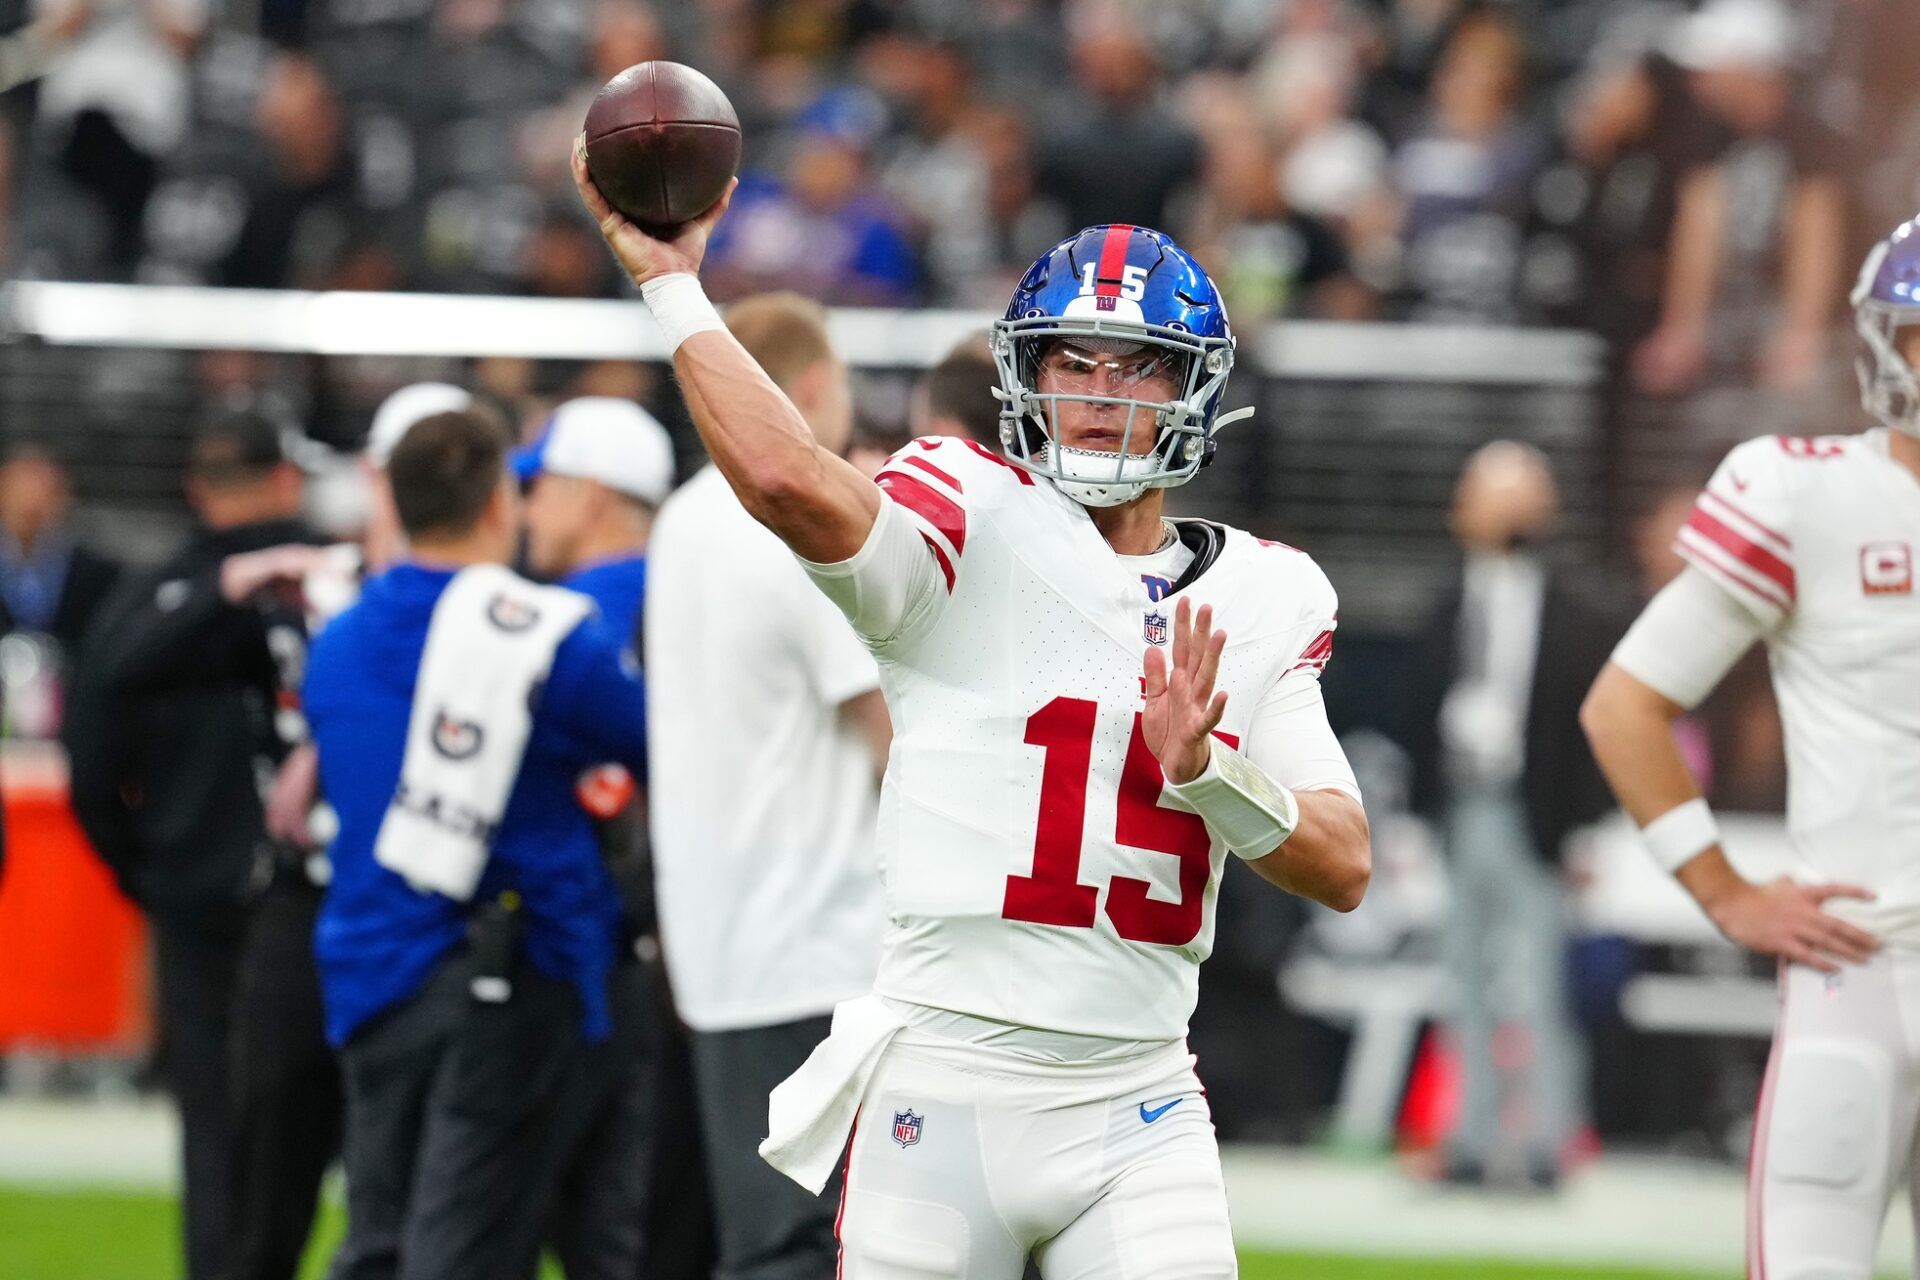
x,y
1053,894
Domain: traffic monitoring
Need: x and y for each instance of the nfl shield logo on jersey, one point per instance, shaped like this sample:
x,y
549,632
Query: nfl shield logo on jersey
x,y
1156,628
906,1128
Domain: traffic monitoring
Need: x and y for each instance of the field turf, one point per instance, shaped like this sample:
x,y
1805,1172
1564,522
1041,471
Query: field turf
x,y
102,1235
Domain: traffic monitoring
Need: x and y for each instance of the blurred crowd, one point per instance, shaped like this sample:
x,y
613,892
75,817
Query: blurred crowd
x,y
1631,165
1689,181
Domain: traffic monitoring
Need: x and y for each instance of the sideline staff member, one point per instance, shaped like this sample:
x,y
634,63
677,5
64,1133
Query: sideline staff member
x,y
179,706
469,933
770,902
595,477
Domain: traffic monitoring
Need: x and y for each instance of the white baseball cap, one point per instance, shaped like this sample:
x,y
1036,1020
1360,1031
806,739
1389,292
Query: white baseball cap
x,y
606,439
410,404
1734,33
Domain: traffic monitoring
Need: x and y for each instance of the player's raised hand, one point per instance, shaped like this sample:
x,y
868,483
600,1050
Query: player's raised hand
x,y
1182,709
640,255
1786,919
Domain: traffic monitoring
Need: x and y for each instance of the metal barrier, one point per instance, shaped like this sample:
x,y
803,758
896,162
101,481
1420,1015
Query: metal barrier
x,y
1361,429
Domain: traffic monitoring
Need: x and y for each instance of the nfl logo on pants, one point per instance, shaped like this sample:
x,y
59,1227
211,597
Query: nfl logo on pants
x,y
906,1128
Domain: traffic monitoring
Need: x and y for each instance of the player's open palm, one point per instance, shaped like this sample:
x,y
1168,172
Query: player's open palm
x,y
1786,919
1182,708
643,256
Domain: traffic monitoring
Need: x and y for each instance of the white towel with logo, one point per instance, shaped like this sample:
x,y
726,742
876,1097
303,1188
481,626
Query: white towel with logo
x,y
489,646
810,1113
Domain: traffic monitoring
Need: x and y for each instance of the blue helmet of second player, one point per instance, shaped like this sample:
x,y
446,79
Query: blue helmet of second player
x,y
1886,299
1132,298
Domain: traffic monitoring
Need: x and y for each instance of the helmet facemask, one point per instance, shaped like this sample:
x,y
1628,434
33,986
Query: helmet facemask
x,y
1889,389
1176,433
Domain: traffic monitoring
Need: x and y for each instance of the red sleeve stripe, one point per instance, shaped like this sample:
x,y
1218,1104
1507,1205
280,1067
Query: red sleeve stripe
x,y
1113,261
946,565
1317,654
940,512
1744,549
933,471
1706,542
1737,519
991,456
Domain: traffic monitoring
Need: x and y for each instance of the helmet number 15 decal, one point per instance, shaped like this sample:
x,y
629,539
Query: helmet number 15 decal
x,y
1053,894
1133,281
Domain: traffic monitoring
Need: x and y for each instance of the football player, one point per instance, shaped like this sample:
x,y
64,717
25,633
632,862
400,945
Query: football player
x,y
1807,545
1076,752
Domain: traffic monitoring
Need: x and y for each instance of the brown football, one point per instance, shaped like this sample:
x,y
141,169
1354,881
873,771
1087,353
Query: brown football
x,y
662,143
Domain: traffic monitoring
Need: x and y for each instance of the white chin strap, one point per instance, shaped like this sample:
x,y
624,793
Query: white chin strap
x,y
1087,475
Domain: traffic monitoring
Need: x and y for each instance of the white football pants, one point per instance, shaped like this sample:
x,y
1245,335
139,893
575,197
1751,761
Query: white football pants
x,y
964,1160
1835,1129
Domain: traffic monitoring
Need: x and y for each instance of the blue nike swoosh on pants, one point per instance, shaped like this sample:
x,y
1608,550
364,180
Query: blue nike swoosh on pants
x,y
1148,1117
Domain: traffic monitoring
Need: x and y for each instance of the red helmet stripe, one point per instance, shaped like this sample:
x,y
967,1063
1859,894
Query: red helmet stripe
x,y
1113,261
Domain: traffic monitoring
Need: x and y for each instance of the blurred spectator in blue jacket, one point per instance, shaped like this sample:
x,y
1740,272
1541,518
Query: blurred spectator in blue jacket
x,y
50,584
822,229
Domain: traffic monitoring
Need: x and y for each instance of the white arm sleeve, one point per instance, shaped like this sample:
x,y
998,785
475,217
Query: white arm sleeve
x,y
1687,638
1291,741
892,588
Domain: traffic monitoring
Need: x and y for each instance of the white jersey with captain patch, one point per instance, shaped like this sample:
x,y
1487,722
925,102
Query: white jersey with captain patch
x,y
1036,873
1817,538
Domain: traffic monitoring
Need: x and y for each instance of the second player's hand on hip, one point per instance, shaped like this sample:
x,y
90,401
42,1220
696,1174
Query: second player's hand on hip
x,y
1786,919
640,255
1182,709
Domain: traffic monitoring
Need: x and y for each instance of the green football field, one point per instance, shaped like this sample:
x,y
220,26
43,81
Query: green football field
x,y
96,1235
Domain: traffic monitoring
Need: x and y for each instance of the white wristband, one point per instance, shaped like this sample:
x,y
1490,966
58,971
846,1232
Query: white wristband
x,y
1680,835
1250,812
680,307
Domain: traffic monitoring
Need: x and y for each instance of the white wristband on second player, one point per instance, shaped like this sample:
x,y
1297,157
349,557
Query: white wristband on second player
x,y
1250,812
1681,834
680,307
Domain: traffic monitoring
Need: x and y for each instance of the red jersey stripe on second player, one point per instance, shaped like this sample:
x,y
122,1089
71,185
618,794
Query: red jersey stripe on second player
x,y
1757,559
1738,519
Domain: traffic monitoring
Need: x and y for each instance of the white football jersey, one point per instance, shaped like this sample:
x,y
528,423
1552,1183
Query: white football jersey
x,y
1816,537
1035,872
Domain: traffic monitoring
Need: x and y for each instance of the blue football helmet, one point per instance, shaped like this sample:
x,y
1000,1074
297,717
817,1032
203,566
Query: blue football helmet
x,y
1886,299
1115,291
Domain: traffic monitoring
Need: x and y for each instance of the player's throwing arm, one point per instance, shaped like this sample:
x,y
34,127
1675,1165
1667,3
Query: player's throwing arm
x,y
815,501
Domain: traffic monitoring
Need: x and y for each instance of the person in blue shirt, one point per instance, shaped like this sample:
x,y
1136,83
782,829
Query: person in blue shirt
x,y
822,226
450,1087
595,475
633,1176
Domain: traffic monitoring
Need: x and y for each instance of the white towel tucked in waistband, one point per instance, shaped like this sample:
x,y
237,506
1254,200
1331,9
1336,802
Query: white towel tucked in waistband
x,y
489,646
811,1113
